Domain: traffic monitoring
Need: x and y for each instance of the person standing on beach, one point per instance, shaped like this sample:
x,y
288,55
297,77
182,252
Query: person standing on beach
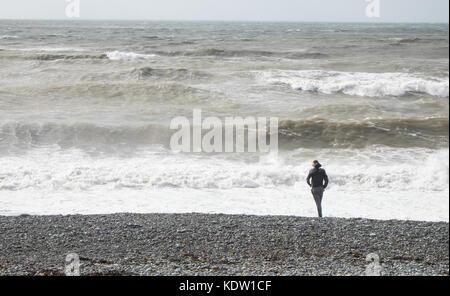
x,y
318,180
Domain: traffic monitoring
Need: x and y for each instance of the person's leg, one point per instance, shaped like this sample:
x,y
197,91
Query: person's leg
x,y
317,194
320,199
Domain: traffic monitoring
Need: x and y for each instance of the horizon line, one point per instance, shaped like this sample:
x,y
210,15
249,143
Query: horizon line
x,y
222,21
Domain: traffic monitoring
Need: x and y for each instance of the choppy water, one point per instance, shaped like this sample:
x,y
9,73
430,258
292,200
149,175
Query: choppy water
x,y
85,109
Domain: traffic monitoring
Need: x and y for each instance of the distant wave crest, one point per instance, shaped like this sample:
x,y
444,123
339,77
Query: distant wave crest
x,y
358,83
127,56
230,53
7,37
54,57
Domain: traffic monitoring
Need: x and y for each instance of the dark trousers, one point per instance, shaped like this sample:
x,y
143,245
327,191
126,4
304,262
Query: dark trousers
x,y
317,193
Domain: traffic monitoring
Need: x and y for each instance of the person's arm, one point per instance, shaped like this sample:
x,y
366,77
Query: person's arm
x,y
325,178
308,179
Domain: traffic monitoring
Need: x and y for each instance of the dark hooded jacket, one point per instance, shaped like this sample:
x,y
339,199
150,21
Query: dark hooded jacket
x,y
317,177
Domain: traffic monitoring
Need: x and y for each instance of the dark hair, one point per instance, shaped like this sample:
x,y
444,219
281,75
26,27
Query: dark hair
x,y
317,163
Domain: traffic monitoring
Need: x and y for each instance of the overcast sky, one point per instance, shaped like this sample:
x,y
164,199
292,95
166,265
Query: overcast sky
x,y
235,10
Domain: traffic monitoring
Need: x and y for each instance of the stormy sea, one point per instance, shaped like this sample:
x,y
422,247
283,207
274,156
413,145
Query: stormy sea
x,y
85,110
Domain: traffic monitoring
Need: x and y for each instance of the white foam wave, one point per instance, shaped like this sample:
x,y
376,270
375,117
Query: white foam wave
x,y
358,83
7,37
415,169
127,56
374,184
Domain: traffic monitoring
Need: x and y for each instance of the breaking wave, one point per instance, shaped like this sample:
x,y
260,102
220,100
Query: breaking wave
x,y
415,169
127,56
401,132
87,136
293,134
358,83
